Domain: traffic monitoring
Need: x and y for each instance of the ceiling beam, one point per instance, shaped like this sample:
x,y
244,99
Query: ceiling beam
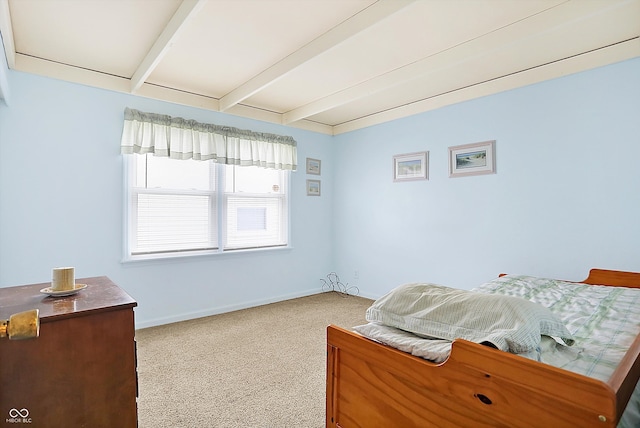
x,y
7,33
338,34
494,41
575,64
186,10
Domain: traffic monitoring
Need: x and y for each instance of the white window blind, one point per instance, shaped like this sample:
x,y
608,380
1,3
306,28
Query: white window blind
x,y
173,206
173,222
255,208
254,222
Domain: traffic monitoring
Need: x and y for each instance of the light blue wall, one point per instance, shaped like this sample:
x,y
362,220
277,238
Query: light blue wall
x,y
61,204
566,196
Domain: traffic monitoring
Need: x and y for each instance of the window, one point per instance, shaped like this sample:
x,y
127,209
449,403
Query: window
x,y
255,207
174,207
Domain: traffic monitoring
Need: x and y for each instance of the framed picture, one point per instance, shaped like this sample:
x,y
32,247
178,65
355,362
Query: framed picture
x,y
313,187
472,159
313,166
411,166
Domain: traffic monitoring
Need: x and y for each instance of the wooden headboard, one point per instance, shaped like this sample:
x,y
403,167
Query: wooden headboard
x,y
615,278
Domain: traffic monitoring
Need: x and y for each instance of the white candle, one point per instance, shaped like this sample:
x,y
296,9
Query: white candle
x,y
63,279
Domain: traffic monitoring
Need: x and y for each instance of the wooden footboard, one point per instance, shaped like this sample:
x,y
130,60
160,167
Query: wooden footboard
x,y
373,385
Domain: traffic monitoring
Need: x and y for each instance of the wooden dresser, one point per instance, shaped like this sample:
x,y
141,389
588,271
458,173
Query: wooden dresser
x,y
81,371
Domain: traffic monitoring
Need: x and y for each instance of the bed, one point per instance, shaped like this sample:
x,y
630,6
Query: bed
x,y
370,384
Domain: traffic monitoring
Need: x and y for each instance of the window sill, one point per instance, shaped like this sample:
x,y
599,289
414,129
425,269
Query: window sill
x,y
193,255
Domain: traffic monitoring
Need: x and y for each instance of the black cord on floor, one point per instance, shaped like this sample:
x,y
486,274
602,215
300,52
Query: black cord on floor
x,y
333,283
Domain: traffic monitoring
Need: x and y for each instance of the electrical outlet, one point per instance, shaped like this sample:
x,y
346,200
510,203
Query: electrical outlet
x,y
356,274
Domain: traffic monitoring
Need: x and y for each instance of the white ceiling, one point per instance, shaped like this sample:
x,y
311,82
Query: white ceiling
x,y
330,66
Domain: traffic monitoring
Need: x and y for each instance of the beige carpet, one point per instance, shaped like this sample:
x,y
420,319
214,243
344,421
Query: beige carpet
x,y
258,367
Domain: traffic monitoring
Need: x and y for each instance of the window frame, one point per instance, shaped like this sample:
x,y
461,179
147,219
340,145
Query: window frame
x,y
221,217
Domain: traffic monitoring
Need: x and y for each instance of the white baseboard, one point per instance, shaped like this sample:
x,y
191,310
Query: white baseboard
x,y
223,309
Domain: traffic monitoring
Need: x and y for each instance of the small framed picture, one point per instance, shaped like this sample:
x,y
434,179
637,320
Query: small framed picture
x,y
313,187
313,166
411,166
472,159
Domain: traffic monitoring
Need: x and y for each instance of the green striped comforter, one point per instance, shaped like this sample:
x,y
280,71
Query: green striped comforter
x,y
603,320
